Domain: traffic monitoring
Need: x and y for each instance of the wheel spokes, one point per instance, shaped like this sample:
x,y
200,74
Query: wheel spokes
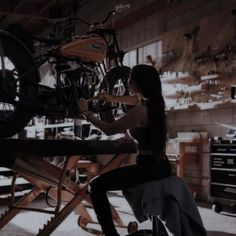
x,y
6,110
118,90
6,67
2,56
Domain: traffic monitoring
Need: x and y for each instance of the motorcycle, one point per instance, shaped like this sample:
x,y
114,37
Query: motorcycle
x,y
80,66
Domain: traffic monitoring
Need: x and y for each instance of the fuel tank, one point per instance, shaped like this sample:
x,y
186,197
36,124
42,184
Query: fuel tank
x,y
90,48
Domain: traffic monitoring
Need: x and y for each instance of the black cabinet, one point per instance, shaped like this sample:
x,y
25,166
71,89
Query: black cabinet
x,y
223,169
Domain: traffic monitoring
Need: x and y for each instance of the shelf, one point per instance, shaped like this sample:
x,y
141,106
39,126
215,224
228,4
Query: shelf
x,y
39,130
50,126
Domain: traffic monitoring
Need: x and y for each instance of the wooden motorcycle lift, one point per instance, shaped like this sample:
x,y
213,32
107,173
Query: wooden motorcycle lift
x,y
56,181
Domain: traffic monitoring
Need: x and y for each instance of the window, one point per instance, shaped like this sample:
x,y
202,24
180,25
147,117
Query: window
x,y
154,50
130,58
139,55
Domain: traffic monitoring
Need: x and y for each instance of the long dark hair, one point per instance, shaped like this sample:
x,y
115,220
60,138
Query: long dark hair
x,y
148,81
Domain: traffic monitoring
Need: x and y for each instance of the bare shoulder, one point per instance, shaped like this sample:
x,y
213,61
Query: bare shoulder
x,y
137,116
140,109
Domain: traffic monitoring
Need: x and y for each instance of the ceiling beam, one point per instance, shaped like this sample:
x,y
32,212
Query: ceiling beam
x,y
42,9
7,19
46,6
16,5
22,10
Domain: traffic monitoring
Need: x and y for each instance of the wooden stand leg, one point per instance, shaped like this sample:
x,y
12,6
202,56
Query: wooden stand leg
x,y
61,215
23,202
70,192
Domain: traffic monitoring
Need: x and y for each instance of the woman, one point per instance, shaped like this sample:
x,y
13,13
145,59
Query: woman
x,y
146,124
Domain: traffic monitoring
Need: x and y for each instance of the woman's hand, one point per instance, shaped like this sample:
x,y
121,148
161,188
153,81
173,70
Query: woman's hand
x,y
83,105
105,97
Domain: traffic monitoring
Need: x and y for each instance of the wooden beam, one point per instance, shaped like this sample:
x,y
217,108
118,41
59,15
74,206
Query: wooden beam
x,y
47,6
17,5
27,10
42,9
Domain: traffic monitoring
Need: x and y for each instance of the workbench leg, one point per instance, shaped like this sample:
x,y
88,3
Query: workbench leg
x,y
61,215
9,214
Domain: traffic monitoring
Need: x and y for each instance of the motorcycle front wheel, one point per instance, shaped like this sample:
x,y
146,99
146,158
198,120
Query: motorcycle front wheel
x,y
115,83
15,89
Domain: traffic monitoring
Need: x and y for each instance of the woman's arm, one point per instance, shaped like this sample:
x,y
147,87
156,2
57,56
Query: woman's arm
x,y
138,115
127,100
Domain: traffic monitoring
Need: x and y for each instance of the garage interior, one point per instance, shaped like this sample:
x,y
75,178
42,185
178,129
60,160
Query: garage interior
x,y
192,44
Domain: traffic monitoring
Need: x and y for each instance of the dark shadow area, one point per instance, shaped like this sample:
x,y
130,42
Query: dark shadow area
x,y
227,210
204,204
216,233
92,231
11,229
228,214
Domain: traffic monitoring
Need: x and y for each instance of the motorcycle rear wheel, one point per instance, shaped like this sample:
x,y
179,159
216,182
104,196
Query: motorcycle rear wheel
x,y
15,60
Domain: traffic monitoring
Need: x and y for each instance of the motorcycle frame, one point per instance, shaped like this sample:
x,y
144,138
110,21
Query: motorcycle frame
x,y
115,54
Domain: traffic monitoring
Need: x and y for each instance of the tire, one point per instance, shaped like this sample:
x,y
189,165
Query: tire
x,y
116,76
82,222
18,57
132,227
216,207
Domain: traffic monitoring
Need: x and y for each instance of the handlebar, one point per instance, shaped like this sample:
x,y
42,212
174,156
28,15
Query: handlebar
x,y
118,9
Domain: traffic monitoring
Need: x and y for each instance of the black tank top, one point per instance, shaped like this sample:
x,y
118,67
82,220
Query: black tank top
x,y
140,135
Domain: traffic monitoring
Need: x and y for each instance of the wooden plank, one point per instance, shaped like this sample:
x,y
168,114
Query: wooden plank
x,y
29,10
186,6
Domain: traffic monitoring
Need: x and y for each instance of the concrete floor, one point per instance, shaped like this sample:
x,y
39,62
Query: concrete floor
x,y
28,223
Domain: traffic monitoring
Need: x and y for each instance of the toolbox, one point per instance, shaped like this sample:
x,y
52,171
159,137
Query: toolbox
x,y
223,173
